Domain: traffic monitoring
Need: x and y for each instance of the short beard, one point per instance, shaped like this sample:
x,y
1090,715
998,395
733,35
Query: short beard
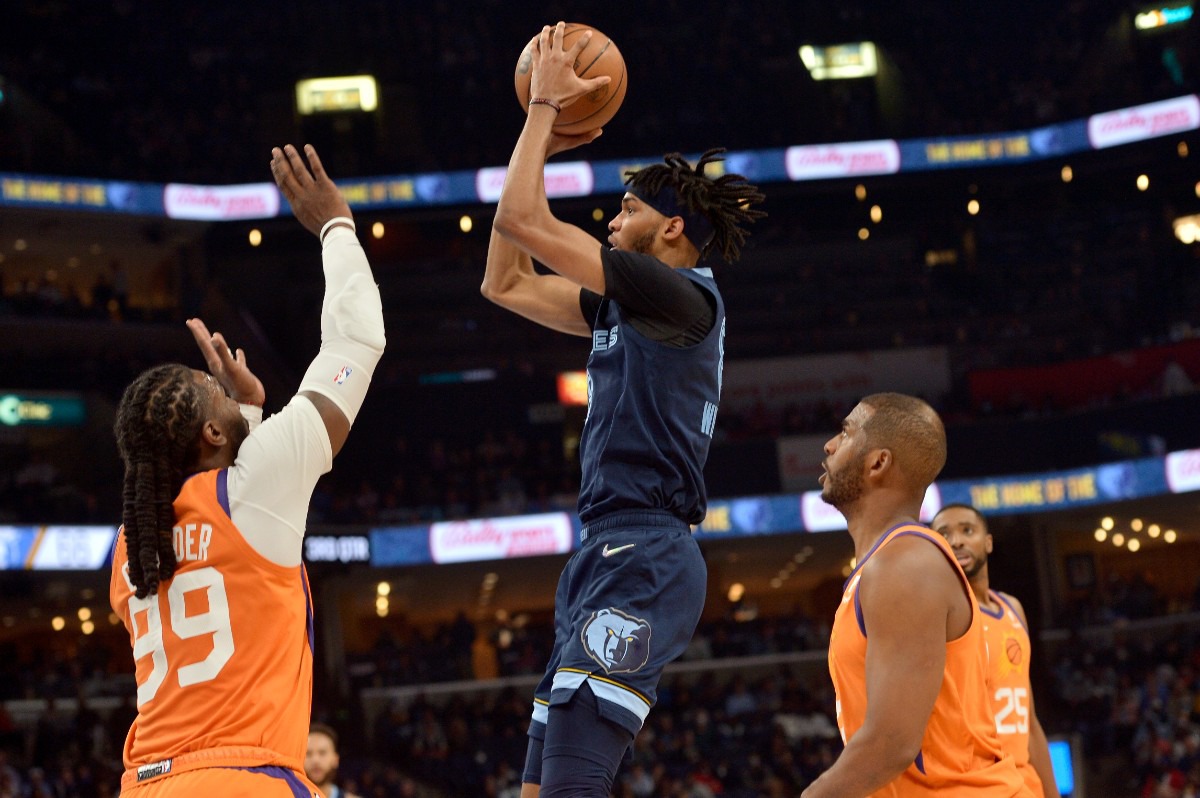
x,y
644,244
977,567
845,487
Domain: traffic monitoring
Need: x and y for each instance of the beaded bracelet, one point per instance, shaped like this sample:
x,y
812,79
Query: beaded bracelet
x,y
543,101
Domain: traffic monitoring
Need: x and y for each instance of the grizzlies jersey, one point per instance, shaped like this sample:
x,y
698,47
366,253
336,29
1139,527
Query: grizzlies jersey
x,y
223,652
652,409
1009,649
960,753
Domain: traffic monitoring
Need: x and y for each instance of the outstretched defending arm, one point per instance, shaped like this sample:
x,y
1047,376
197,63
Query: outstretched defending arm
x,y
278,466
352,337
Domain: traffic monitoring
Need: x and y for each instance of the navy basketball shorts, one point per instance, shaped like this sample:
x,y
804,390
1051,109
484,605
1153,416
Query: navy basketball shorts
x,y
627,604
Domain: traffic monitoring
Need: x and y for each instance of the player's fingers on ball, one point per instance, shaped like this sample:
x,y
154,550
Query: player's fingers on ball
x,y
579,44
595,83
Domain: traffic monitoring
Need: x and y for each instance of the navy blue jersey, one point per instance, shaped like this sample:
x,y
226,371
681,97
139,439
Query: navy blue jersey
x,y
652,409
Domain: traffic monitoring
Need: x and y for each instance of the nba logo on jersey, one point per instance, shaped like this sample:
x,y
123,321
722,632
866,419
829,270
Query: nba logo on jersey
x,y
342,375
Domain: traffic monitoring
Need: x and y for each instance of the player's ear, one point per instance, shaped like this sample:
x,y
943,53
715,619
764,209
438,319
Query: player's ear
x,y
212,435
673,228
878,462
987,543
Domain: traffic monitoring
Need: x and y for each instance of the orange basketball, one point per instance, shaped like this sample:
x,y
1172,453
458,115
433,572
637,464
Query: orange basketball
x,y
599,57
1013,650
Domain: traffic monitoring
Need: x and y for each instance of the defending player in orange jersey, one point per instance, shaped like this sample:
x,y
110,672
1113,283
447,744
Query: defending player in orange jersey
x,y
1006,632
906,651
207,572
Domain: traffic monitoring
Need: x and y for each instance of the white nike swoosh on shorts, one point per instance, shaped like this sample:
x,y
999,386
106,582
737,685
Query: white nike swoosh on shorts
x,y
607,552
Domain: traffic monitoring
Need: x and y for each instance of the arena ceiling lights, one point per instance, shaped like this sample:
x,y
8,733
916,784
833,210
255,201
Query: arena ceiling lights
x,y
1187,228
1156,17
840,61
331,95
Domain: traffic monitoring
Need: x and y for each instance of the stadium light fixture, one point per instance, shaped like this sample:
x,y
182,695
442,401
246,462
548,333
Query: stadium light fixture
x,y
840,61
329,95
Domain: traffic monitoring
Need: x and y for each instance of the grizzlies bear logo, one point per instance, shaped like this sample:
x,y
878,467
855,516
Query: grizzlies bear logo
x,y
620,643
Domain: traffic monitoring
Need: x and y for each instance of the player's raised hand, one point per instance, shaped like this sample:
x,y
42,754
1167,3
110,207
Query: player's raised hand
x,y
227,367
554,75
313,196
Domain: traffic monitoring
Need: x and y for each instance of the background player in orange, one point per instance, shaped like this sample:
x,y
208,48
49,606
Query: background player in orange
x,y
906,652
207,571
1006,633
321,761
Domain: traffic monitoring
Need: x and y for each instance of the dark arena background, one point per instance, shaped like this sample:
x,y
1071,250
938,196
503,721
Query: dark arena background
x,y
994,206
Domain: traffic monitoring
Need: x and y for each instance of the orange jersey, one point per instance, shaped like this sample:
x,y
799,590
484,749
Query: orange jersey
x,y
1009,650
223,652
960,752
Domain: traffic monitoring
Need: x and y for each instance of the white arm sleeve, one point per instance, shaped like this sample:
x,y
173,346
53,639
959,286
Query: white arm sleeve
x,y
352,338
272,479
252,414
271,482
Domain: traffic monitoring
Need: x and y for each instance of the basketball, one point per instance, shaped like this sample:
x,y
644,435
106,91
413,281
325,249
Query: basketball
x,y
599,57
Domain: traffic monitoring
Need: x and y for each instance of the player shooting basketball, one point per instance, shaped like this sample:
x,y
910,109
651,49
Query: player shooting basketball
x,y
207,571
629,600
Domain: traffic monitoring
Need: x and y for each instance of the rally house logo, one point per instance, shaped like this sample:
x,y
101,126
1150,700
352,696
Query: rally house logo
x,y
810,162
1144,122
214,203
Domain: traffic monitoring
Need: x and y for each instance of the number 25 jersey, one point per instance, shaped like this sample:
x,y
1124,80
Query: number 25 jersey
x,y
223,651
1008,649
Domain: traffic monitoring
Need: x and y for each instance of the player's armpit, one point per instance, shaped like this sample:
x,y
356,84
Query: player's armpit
x,y
511,282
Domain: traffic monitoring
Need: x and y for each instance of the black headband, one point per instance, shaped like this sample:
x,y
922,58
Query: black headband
x,y
696,226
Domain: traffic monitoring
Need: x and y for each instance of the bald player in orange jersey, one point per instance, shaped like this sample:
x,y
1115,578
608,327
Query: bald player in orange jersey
x,y
906,652
1006,633
207,572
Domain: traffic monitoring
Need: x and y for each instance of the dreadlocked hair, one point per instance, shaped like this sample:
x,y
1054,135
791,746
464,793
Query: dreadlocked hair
x,y
724,200
158,421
